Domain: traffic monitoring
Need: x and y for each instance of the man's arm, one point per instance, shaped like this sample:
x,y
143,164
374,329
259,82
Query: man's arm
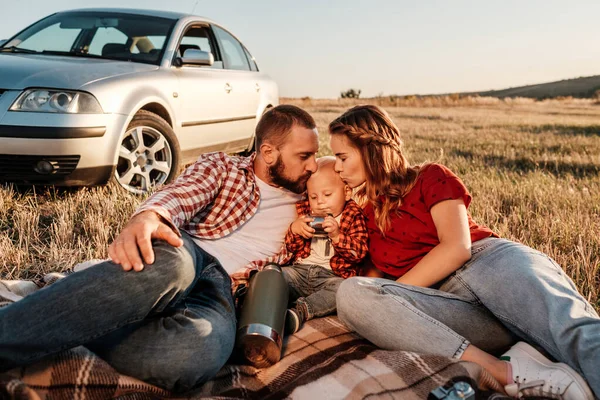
x,y
137,237
190,193
160,216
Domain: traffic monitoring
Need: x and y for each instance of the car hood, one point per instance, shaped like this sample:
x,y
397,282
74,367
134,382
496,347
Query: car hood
x,y
20,71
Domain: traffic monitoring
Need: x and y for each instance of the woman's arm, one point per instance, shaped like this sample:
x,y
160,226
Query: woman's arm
x,y
452,224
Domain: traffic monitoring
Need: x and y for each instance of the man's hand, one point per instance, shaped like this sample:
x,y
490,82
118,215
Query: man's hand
x,y
332,228
301,227
137,237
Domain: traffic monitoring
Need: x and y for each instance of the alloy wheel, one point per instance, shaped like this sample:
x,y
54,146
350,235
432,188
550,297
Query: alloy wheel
x,y
145,160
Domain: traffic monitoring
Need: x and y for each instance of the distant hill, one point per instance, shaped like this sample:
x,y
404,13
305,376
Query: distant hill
x,y
585,87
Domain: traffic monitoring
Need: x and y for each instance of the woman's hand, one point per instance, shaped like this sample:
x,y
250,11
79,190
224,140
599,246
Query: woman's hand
x,y
300,227
331,226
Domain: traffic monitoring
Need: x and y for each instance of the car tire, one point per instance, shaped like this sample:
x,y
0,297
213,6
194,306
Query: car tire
x,y
248,152
148,155
252,148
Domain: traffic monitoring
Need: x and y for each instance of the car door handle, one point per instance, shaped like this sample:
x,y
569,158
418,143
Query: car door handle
x,y
228,88
257,87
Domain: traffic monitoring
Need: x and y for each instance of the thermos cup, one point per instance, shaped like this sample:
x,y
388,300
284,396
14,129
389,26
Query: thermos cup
x,y
262,317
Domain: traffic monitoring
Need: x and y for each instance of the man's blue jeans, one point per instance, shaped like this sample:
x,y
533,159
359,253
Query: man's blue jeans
x,y
172,324
505,292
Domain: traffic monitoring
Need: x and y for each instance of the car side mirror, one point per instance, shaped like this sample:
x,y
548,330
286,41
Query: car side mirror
x,y
195,57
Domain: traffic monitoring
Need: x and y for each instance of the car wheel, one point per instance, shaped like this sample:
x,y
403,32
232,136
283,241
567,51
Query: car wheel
x,y
248,152
148,155
252,148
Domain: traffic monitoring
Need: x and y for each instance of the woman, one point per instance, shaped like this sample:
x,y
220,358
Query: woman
x,y
459,290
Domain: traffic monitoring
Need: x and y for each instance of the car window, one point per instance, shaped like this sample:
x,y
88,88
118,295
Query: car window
x,y
233,52
52,38
200,38
111,35
253,66
196,38
104,36
157,41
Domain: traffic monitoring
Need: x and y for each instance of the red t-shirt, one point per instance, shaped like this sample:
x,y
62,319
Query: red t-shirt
x,y
412,233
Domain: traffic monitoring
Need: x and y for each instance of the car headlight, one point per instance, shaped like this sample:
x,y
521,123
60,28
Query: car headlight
x,y
57,101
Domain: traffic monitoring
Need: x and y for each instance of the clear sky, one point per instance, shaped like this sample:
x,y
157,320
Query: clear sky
x,y
318,48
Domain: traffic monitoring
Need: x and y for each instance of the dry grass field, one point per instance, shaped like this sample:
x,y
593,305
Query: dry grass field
x,y
533,169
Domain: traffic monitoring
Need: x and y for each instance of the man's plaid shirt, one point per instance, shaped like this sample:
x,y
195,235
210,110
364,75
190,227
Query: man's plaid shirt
x,y
212,198
351,248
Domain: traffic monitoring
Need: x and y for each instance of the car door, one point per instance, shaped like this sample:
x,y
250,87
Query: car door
x,y
207,104
243,77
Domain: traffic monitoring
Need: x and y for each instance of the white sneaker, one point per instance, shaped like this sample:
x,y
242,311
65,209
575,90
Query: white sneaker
x,y
535,375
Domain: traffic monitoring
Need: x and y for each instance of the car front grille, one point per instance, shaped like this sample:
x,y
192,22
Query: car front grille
x,y
24,167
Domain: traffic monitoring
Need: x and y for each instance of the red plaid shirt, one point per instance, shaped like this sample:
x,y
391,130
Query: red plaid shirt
x,y
350,250
212,198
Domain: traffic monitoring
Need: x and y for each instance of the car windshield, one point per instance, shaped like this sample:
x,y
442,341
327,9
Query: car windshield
x,y
115,36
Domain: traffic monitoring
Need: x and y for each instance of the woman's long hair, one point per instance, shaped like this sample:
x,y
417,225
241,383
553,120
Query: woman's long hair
x,y
389,177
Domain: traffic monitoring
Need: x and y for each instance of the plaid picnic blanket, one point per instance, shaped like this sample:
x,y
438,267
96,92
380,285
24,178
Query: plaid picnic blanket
x,y
322,361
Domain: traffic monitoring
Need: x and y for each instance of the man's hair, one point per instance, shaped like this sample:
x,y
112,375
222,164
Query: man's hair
x,y
277,123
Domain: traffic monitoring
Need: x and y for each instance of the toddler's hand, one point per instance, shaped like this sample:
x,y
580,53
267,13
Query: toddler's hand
x,y
373,272
300,227
331,226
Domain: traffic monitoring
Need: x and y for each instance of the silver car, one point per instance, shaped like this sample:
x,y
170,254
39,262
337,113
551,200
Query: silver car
x,y
97,94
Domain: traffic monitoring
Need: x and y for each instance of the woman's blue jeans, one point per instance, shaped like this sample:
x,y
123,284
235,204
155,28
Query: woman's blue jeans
x,y
506,292
172,324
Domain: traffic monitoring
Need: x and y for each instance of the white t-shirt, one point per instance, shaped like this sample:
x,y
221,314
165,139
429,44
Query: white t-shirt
x,y
321,250
261,236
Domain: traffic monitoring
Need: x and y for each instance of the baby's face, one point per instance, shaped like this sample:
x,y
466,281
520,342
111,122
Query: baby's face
x,y
327,193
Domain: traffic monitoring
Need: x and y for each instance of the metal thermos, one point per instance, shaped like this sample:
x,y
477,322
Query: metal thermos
x,y
262,318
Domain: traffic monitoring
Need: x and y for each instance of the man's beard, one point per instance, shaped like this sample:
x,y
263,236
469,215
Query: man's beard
x,y
277,174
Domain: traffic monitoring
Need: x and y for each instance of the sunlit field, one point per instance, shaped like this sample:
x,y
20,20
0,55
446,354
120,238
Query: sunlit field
x,y
533,169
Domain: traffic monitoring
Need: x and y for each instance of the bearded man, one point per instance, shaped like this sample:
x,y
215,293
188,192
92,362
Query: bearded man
x,y
162,308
